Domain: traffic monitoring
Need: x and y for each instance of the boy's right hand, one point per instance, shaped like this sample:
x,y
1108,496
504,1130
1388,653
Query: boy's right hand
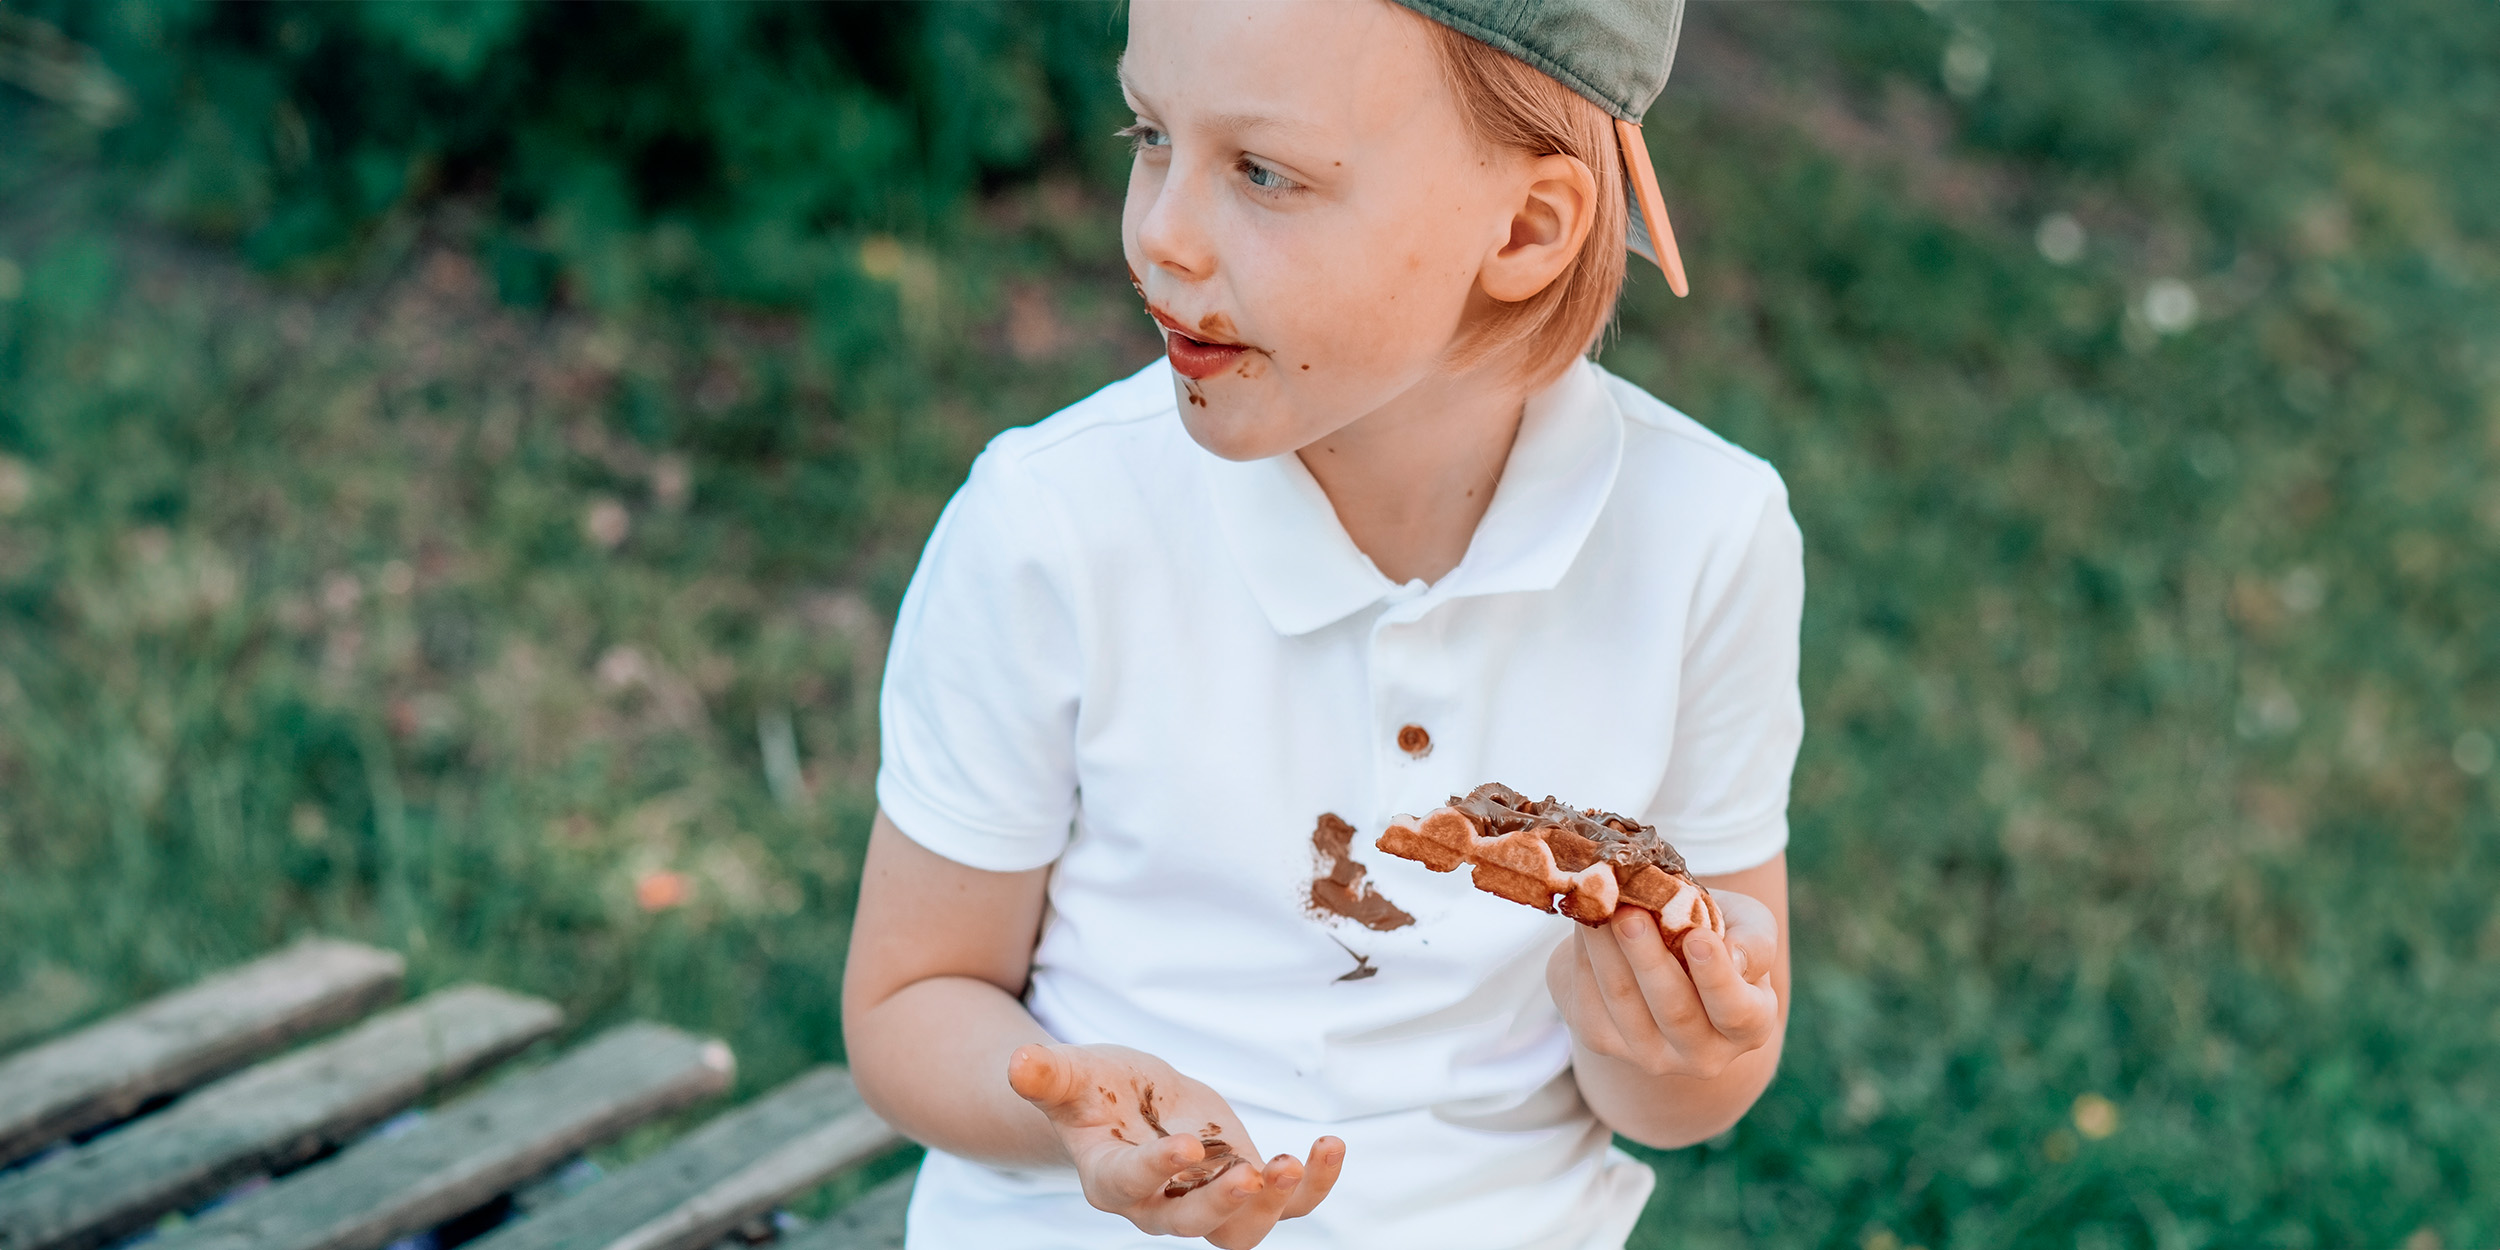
x,y
1139,1133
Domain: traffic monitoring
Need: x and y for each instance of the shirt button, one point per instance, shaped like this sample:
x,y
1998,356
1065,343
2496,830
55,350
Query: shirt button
x,y
1414,741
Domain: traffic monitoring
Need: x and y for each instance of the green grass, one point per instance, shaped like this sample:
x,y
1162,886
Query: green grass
x,y
2151,663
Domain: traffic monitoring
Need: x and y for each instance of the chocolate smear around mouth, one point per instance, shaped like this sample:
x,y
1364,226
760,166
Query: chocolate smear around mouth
x,y
1339,889
1219,1157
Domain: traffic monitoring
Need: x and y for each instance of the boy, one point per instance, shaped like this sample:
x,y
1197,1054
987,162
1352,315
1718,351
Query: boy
x,y
1374,532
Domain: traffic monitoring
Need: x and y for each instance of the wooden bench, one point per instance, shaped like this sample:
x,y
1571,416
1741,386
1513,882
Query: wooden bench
x,y
199,1115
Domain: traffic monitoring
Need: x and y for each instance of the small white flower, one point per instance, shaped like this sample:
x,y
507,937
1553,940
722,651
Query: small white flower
x,y
1967,60
2473,753
2060,239
2170,306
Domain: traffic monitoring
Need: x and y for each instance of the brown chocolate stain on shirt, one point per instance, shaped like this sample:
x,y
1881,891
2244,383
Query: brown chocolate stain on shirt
x,y
1364,968
1340,889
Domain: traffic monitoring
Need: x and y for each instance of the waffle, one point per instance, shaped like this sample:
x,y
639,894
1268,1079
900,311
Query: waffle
x,y
1581,863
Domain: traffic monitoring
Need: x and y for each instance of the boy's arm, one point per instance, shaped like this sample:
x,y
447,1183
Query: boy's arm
x,y
942,1047
1691,1050
932,995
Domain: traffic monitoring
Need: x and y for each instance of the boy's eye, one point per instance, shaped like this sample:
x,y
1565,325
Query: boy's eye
x,y
1144,135
1265,179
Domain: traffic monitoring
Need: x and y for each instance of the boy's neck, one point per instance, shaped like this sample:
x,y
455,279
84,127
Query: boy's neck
x,y
1411,480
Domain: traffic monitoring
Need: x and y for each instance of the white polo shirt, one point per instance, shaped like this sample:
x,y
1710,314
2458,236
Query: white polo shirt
x,y
1155,669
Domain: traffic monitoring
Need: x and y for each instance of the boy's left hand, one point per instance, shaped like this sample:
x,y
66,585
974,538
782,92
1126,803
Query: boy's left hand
x,y
1628,997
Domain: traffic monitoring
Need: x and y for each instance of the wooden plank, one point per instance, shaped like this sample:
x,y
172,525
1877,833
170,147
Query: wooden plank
x,y
734,1169
265,1119
104,1072
874,1222
463,1155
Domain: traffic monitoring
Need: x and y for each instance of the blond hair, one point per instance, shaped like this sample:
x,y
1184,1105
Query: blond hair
x,y
1507,103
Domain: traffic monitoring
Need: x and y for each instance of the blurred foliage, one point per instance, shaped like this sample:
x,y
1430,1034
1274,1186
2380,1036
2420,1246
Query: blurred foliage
x,y
621,152
458,463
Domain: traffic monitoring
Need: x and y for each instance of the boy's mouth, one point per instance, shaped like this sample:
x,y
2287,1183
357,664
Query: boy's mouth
x,y
1193,357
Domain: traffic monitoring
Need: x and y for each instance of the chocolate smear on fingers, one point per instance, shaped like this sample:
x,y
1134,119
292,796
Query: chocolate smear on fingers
x,y
1580,862
1218,1160
1340,888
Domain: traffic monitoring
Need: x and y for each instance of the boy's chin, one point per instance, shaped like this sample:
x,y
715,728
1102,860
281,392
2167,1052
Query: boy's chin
x,y
1235,425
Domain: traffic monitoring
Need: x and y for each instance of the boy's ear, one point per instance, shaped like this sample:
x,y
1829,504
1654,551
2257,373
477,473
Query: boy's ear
x,y
1557,204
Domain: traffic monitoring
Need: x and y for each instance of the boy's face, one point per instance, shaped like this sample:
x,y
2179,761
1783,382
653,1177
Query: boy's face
x,y
1307,215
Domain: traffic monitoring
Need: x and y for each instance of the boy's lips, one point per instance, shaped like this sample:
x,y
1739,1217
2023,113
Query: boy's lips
x,y
1193,357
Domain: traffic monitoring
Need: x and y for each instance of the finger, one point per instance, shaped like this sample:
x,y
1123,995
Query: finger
x,y
1667,988
1567,979
1202,1211
1583,1006
1042,1076
1118,1177
1562,970
1648,1017
1138,1173
1250,1225
1741,1011
1752,931
1567,972
1603,979
1318,1177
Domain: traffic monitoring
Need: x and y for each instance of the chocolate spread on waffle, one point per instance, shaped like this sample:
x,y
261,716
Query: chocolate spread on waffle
x,y
1549,855
1621,840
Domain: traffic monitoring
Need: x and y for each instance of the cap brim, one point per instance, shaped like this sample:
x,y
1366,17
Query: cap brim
x,y
1648,233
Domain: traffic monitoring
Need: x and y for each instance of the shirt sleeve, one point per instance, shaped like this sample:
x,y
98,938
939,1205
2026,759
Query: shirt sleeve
x,y
1724,803
977,714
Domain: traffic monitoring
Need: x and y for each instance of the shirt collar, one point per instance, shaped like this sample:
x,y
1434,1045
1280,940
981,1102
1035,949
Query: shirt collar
x,y
1306,572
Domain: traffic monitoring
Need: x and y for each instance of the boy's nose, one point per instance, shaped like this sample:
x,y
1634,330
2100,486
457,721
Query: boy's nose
x,y
1171,234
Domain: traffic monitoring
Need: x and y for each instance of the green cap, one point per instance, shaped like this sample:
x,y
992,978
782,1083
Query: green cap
x,y
1613,53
